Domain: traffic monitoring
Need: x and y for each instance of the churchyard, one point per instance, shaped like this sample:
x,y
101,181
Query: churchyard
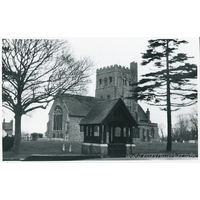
x,y
29,148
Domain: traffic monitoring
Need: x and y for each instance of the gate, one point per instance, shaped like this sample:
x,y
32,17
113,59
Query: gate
x,y
116,150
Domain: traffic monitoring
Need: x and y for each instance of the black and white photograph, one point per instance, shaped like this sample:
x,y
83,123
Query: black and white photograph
x,y
99,99
118,99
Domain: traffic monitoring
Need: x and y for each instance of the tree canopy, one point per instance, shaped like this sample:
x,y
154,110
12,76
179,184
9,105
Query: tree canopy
x,y
182,76
37,71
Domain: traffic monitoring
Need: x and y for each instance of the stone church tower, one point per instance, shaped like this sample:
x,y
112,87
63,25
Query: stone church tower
x,y
114,82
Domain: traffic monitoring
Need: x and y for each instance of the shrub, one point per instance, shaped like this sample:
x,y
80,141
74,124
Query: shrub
x,y
35,136
8,143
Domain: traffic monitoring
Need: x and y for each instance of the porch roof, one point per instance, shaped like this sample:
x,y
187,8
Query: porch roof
x,y
102,110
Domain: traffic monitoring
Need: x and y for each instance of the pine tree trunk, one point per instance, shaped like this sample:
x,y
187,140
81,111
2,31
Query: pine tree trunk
x,y
17,140
169,123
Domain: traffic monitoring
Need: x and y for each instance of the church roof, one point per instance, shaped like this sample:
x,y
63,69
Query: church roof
x,y
101,111
141,114
79,105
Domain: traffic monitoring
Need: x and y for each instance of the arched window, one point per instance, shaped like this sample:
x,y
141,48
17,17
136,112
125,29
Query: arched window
x,y
110,78
57,118
147,132
105,81
100,81
152,133
108,97
148,136
119,81
125,82
136,132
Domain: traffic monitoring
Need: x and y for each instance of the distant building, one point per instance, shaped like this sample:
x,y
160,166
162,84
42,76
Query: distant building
x,y
8,127
112,83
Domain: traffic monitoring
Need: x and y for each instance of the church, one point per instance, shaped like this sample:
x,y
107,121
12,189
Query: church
x,y
82,118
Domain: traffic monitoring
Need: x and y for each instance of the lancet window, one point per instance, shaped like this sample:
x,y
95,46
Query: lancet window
x,y
57,118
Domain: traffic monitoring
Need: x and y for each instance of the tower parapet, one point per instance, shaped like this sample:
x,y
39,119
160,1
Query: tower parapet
x,y
112,68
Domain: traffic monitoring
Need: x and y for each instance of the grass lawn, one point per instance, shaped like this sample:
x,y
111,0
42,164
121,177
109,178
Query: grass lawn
x,y
160,147
44,147
55,147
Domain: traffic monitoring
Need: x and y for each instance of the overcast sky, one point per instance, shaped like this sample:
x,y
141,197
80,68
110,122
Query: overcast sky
x,y
105,52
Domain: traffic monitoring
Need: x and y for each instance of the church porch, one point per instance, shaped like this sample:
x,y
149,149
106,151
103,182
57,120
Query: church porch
x,y
112,136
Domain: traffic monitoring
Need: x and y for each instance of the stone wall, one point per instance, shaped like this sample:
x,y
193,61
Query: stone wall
x,y
74,129
144,129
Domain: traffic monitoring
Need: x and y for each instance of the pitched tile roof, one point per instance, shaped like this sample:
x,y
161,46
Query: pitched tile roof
x,y
101,110
79,105
141,114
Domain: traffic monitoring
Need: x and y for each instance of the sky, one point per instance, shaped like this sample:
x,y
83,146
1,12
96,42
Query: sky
x,y
106,51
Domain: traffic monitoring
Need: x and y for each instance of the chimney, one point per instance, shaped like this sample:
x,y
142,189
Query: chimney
x,y
4,123
148,114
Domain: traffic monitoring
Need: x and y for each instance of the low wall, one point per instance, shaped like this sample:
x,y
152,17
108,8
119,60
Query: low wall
x,y
96,149
102,149
130,149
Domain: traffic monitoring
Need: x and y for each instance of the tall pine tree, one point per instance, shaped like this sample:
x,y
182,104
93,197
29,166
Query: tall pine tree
x,y
172,85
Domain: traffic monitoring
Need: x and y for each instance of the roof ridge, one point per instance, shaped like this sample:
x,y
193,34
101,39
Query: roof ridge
x,y
107,100
76,95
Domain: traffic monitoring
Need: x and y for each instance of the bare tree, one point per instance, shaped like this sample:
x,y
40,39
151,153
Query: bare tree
x,y
35,72
193,117
182,126
161,132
